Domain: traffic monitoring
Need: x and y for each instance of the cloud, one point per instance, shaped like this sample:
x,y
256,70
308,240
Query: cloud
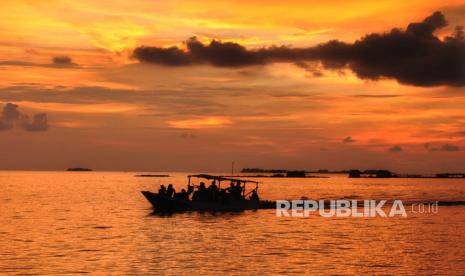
x,y
377,96
56,62
217,53
445,147
395,149
39,122
11,117
348,140
166,102
11,112
310,67
63,61
172,56
449,147
413,56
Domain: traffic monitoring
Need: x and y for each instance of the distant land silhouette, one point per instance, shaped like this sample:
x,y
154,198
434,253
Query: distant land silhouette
x,y
79,170
278,173
260,170
354,173
152,175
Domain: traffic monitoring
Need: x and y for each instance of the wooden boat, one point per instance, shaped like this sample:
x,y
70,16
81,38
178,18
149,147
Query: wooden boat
x,y
163,203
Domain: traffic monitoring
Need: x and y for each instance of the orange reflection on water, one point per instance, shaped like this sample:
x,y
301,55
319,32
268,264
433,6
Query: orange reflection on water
x,y
98,222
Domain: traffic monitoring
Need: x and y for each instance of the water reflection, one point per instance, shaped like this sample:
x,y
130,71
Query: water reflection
x,y
69,223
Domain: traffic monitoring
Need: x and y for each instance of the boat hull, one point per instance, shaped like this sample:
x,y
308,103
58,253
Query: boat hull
x,y
162,203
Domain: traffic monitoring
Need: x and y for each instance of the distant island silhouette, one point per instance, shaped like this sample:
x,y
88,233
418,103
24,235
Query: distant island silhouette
x,y
260,170
278,173
152,175
389,174
79,170
353,173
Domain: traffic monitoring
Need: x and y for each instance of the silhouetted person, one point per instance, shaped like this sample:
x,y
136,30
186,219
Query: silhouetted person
x,y
231,191
223,196
195,196
238,190
170,191
202,192
194,191
254,196
213,191
183,195
190,190
162,190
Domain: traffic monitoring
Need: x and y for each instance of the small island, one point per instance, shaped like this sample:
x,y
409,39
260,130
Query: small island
x,y
278,173
388,174
79,170
152,175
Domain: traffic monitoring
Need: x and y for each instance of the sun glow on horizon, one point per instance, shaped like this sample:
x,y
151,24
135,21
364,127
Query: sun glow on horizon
x,y
76,62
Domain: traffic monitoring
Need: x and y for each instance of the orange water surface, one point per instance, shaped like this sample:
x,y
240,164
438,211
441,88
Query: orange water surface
x,y
69,223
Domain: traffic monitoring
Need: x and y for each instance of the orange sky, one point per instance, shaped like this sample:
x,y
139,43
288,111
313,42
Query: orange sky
x,y
108,111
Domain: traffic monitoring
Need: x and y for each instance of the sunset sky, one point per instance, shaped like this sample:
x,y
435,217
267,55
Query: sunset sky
x,y
123,85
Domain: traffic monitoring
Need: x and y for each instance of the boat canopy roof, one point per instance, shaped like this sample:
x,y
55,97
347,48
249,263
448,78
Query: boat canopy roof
x,y
221,178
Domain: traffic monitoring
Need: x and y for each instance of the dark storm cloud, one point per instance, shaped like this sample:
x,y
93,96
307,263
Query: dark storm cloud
x,y
11,117
221,54
414,56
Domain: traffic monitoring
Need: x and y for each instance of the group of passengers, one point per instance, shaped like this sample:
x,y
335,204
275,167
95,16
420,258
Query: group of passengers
x,y
211,193
171,192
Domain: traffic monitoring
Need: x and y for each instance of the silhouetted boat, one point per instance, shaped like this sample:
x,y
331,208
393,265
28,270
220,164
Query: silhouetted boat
x,y
163,203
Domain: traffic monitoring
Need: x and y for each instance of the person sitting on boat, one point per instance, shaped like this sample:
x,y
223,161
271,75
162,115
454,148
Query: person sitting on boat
x,y
162,190
223,196
183,195
238,190
195,194
231,191
202,193
190,189
254,195
213,191
170,191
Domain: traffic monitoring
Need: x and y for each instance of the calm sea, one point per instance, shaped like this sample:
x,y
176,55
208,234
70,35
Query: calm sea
x,y
99,223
